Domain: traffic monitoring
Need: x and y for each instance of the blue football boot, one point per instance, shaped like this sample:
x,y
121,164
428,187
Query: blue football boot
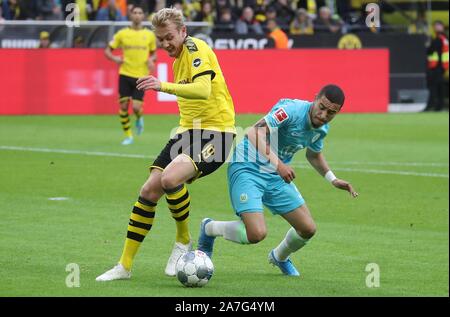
x,y
285,266
205,242
140,126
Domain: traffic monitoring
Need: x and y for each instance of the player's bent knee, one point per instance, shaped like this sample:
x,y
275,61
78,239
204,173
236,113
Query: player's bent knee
x,y
151,196
256,236
168,182
151,192
309,231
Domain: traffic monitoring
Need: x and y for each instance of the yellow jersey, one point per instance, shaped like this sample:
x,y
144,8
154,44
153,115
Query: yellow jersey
x,y
217,112
136,46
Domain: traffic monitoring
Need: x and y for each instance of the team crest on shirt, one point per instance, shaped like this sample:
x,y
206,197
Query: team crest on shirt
x,y
196,62
280,115
243,198
315,137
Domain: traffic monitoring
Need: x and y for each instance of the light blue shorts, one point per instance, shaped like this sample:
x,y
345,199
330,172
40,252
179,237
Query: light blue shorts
x,y
251,189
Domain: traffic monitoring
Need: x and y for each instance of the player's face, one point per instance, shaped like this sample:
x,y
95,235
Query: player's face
x,y
137,16
171,38
323,111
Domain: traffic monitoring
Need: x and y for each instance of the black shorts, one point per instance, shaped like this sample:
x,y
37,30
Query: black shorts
x,y
127,89
207,149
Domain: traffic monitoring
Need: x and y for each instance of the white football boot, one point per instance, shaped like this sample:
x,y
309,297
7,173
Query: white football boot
x,y
116,273
178,251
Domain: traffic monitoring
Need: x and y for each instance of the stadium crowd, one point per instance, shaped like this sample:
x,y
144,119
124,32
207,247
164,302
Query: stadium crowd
x,y
237,16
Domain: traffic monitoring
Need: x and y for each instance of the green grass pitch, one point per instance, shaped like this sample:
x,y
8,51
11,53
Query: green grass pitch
x,y
397,162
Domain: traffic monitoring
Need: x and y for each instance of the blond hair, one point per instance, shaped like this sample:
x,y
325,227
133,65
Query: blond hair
x,y
164,16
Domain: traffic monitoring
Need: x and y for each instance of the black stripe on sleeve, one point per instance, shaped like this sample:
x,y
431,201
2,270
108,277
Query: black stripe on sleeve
x,y
207,72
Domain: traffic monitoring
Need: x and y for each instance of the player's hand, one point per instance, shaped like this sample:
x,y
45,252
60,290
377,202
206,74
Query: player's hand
x,y
341,184
148,82
118,60
286,172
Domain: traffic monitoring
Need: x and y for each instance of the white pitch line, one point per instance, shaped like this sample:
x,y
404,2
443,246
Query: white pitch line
x,y
32,149
432,164
371,171
58,198
298,165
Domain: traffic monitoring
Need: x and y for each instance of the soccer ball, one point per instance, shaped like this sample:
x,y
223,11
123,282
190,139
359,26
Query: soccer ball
x,y
194,269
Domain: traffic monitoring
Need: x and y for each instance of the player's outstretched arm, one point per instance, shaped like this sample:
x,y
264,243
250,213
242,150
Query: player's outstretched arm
x,y
199,89
317,160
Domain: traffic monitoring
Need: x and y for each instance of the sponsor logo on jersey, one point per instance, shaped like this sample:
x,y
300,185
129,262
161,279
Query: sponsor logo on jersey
x,y
191,45
243,198
196,62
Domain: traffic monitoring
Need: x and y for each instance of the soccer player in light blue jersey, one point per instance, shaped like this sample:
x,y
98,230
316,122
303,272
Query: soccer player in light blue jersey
x,y
259,175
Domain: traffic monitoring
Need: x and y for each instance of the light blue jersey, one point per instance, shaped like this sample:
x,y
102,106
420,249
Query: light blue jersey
x,y
253,182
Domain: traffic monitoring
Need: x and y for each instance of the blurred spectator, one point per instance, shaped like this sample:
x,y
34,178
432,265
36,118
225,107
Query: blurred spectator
x,y
285,14
420,24
325,23
247,24
44,40
1,14
271,14
48,10
110,13
221,4
437,51
260,9
206,14
149,6
19,9
224,22
302,23
277,34
343,10
311,6
340,9
191,8
121,5
78,42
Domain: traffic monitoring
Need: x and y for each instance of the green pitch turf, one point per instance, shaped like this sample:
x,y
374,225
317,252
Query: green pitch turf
x,y
399,223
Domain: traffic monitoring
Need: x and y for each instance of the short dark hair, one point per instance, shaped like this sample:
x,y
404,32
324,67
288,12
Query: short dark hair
x,y
136,6
333,93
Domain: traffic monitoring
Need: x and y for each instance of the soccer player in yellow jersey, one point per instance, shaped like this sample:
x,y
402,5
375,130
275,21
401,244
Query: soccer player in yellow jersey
x,y
139,55
200,146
